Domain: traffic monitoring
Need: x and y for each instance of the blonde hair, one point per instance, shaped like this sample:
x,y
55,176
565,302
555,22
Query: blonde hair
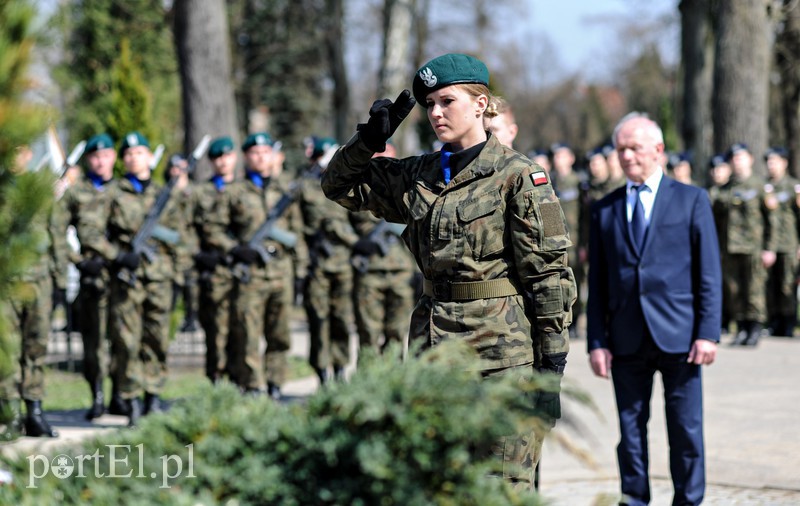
x,y
475,90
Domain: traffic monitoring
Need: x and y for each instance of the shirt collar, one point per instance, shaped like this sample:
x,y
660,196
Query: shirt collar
x,y
652,182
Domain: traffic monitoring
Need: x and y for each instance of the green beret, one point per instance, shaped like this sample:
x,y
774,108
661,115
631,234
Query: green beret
x,y
98,142
220,146
319,145
258,139
133,139
453,68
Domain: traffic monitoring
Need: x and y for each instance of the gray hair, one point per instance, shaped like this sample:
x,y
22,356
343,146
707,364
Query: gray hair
x,y
652,130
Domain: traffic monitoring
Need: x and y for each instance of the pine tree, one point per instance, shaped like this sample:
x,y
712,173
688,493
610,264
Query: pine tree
x,y
23,197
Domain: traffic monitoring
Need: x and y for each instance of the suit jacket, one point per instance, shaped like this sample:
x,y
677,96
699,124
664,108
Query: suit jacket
x,y
673,286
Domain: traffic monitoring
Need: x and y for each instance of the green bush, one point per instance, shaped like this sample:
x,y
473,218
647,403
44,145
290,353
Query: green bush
x,y
413,433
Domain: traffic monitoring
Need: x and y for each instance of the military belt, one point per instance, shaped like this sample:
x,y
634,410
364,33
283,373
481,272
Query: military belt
x,y
445,291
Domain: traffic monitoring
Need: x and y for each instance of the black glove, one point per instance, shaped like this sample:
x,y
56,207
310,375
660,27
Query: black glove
x,y
129,260
207,260
366,247
59,297
91,266
244,254
384,118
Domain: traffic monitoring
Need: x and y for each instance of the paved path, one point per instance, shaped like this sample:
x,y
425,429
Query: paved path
x,y
752,406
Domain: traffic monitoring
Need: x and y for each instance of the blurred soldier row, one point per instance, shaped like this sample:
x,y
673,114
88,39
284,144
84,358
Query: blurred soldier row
x,y
238,252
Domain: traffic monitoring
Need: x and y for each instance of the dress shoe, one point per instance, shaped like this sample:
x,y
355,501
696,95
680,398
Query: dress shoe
x,y
754,334
35,423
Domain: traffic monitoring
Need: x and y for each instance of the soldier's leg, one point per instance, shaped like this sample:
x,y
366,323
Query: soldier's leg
x,y
155,342
207,318
341,317
369,309
277,332
94,319
10,374
787,294
733,275
35,334
125,329
399,304
316,303
190,301
755,294
250,301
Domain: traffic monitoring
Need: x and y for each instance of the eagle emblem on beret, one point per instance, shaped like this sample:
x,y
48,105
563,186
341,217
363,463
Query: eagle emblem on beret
x,y
427,77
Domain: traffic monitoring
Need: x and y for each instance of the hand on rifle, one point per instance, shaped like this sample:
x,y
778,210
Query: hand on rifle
x,y
244,254
207,260
91,266
128,260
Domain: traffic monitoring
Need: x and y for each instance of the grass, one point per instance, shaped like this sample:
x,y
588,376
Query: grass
x,y
69,390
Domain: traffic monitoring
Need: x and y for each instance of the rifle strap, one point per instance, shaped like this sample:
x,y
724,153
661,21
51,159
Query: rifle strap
x,y
445,291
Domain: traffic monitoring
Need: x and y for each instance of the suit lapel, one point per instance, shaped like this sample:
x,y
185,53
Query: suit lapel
x,y
660,209
621,217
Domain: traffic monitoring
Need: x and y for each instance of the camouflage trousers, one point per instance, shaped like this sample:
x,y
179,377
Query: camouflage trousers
x,y
782,286
520,453
91,305
139,332
383,304
262,308
28,323
328,302
745,277
215,314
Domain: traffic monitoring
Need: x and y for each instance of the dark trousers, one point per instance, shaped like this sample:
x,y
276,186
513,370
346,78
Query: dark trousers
x,y
683,402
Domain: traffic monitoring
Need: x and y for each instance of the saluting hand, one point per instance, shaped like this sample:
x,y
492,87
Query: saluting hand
x,y
384,118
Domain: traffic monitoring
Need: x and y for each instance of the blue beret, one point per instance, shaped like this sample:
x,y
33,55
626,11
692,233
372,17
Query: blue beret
x,y
98,142
717,160
257,139
220,146
735,148
557,146
452,68
133,139
777,150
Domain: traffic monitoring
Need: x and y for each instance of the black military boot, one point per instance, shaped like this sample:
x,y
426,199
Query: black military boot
x,y
742,333
274,391
10,419
117,405
152,403
754,334
98,402
323,375
789,323
338,374
35,423
134,411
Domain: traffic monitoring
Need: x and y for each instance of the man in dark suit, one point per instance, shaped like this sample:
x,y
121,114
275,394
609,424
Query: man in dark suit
x,y
655,301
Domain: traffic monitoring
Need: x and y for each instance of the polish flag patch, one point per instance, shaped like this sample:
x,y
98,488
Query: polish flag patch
x,y
539,178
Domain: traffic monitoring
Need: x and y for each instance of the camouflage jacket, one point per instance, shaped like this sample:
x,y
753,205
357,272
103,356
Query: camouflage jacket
x,y
742,217
783,200
498,218
75,201
397,257
327,227
109,226
568,191
242,210
186,199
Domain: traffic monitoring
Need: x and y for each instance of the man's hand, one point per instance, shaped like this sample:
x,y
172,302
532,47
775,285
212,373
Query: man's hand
x,y
384,118
703,352
768,258
600,359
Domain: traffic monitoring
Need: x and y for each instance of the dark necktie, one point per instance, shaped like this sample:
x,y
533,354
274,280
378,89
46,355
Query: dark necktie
x,y
638,226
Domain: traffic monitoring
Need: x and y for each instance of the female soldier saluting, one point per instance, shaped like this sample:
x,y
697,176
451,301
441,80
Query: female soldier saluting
x,y
483,223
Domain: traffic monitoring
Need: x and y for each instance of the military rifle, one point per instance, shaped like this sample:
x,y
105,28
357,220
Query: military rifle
x,y
150,227
384,235
157,154
268,230
73,158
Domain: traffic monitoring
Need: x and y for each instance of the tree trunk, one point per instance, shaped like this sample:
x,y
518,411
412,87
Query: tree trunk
x,y
697,55
395,75
741,76
342,129
788,61
202,40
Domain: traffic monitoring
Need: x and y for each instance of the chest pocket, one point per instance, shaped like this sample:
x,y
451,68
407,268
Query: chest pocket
x,y
480,222
418,203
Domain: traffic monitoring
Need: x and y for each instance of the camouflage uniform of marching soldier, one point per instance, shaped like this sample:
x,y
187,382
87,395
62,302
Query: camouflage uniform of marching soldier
x,y
783,199
186,197
719,194
383,291
567,185
92,300
212,222
492,244
140,295
328,296
263,300
747,230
